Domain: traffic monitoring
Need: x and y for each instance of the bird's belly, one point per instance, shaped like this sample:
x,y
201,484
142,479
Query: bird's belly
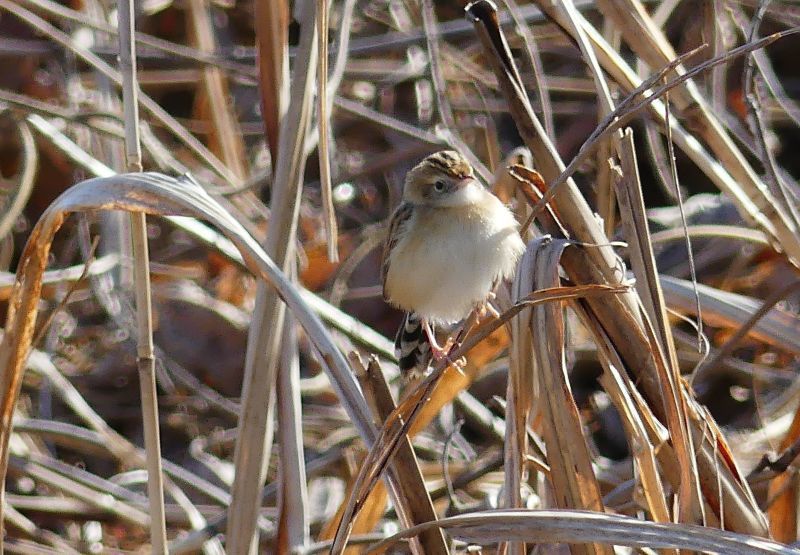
x,y
447,268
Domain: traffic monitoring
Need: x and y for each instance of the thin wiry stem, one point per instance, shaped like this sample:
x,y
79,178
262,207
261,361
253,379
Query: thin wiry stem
x,y
677,188
293,529
727,348
172,48
440,85
395,428
148,103
630,107
532,51
144,314
263,348
757,122
323,114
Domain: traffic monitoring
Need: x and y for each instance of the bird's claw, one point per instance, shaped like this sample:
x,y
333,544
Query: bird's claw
x,y
440,355
487,308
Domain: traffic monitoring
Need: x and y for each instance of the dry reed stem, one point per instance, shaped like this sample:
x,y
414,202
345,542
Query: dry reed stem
x,y
405,466
727,348
629,193
574,485
648,41
215,101
409,411
731,310
493,340
147,103
561,526
641,447
143,39
141,280
22,181
272,42
470,93
263,345
535,60
619,314
293,520
522,393
19,521
203,234
125,453
323,117
637,234
159,195
626,78
610,144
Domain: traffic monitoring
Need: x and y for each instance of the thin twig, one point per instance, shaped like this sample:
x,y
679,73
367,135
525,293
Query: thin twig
x,y
684,224
727,348
144,315
629,107
72,288
396,427
757,124
147,102
323,115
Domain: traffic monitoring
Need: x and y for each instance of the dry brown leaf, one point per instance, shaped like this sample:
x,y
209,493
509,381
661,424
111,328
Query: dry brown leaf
x,y
367,519
319,269
783,491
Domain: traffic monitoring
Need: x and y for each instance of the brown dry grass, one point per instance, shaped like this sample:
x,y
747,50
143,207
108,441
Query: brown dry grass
x,y
628,394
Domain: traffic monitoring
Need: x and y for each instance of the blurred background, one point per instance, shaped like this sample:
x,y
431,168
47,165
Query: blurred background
x,y
405,78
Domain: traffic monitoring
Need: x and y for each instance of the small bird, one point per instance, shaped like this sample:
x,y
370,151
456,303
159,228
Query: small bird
x,y
450,242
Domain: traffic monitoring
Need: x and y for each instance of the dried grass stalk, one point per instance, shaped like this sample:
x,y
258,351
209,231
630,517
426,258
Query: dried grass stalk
x,y
226,135
147,103
619,314
649,42
293,524
574,485
405,466
323,115
574,527
272,41
155,194
145,356
263,345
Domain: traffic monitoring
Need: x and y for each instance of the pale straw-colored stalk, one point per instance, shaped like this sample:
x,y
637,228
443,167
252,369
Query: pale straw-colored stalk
x,y
141,273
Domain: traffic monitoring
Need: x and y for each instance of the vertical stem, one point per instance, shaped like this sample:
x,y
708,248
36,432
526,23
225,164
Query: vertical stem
x,y
272,42
147,382
144,316
323,114
293,524
405,465
130,89
256,426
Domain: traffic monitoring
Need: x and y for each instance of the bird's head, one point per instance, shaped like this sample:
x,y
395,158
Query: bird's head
x,y
443,179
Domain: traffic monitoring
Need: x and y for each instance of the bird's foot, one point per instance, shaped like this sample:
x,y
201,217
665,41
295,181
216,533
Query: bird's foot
x,y
437,352
441,353
487,308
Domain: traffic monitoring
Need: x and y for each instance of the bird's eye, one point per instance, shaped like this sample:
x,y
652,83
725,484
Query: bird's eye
x,y
439,186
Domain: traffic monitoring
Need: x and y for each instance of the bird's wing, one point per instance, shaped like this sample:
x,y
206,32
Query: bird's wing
x,y
400,216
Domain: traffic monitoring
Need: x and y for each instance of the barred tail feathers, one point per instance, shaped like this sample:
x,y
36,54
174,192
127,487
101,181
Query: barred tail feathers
x,y
412,347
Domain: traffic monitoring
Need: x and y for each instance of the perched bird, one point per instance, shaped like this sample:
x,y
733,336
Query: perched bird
x,y
450,242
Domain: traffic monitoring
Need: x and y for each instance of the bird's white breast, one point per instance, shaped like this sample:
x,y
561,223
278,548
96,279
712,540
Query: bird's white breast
x,y
446,260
